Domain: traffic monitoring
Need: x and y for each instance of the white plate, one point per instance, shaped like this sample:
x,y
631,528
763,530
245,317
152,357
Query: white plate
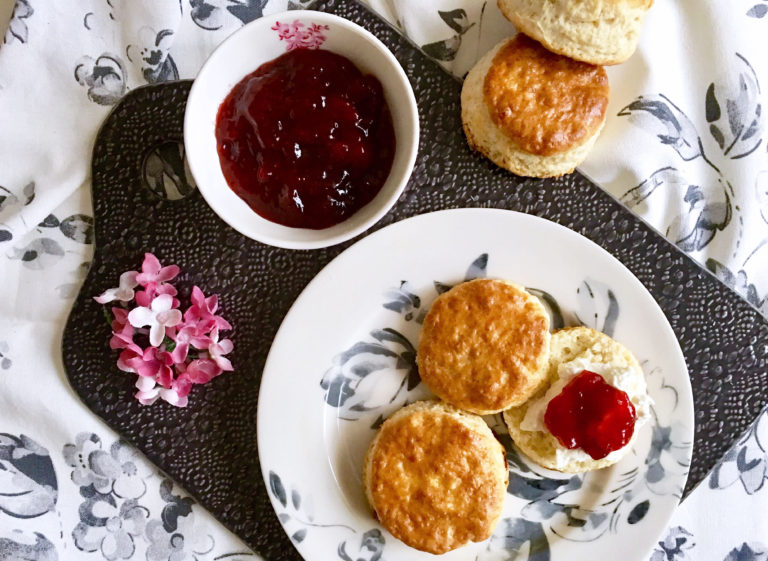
x,y
344,358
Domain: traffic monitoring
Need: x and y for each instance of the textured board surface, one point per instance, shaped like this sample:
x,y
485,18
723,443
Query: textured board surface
x,y
210,447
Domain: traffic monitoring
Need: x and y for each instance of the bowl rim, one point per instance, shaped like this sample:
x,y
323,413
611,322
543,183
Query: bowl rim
x,y
409,144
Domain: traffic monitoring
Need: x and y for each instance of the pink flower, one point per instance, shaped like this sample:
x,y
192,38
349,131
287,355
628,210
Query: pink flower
x,y
182,385
217,349
151,363
202,370
203,310
164,374
172,396
177,394
127,359
148,390
122,332
153,272
153,289
158,316
123,293
121,318
189,334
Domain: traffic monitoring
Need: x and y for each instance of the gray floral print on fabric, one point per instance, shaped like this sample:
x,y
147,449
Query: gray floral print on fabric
x,y
39,254
740,283
17,27
151,53
213,14
174,536
709,206
734,112
28,486
5,359
11,203
18,545
734,117
675,546
747,461
114,519
446,49
761,193
109,527
748,552
108,472
104,77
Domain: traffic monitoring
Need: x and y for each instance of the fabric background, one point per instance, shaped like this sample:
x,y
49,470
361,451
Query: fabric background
x,y
684,147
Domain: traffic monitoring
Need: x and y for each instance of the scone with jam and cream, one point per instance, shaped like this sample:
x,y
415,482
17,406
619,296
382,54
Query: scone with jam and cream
x,y
588,414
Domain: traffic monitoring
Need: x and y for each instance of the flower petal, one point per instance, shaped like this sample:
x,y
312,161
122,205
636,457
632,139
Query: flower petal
x,y
141,316
162,303
147,398
107,296
128,280
179,354
145,384
165,376
156,334
173,398
197,297
167,273
226,346
202,370
223,363
151,264
169,318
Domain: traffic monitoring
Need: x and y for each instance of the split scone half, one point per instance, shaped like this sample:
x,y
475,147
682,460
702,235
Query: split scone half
x,y
574,350
594,31
531,111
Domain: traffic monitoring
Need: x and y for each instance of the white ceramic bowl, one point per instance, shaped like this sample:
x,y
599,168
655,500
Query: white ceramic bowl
x,y
242,53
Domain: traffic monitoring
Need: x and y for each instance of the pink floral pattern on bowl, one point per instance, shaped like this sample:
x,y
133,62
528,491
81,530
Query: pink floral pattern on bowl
x,y
297,35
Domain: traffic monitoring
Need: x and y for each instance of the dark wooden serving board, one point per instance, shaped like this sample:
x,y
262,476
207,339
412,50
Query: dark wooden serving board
x,y
210,447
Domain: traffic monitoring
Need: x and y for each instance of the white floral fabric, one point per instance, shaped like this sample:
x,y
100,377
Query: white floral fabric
x,y
685,147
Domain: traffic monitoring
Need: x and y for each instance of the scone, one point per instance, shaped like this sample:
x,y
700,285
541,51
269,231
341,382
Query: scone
x,y
531,111
594,31
574,350
484,346
436,477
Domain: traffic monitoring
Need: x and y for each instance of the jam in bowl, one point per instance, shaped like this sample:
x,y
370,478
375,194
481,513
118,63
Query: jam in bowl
x,y
301,130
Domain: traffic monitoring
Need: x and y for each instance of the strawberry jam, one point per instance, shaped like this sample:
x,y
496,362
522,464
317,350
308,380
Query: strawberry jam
x,y
306,140
592,415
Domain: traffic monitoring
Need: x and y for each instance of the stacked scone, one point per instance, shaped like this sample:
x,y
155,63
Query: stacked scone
x,y
536,103
435,475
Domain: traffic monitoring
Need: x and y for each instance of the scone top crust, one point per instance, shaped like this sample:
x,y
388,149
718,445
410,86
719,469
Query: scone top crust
x,y
436,477
544,102
484,346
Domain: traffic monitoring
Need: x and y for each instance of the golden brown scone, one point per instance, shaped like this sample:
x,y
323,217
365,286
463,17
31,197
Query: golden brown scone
x,y
436,477
484,346
531,111
594,31
578,345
